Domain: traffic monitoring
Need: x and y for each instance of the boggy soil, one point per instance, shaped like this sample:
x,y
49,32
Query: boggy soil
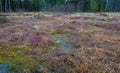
x,y
60,43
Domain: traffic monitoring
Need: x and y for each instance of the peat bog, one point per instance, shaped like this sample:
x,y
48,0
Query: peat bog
x,y
60,43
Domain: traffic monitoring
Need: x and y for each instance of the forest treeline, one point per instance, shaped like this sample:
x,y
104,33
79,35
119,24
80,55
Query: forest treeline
x,y
60,5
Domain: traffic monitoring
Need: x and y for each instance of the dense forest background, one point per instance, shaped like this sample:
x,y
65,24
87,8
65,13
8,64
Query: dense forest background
x,y
60,5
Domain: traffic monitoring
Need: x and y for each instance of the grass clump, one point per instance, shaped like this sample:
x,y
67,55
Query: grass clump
x,y
4,19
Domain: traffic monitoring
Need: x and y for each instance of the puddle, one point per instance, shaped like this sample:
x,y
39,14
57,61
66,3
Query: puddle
x,y
42,69
66,46
63,45
58,40
4,68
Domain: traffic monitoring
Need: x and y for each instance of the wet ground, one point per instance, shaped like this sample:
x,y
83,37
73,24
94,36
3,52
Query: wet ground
x,y
60,43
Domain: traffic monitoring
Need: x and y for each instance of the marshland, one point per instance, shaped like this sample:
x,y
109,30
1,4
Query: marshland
x,y
35,39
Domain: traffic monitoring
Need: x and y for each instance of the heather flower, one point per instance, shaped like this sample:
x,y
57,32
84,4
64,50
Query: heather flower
x,y
35,40
13,37
3,35
50,42
9,24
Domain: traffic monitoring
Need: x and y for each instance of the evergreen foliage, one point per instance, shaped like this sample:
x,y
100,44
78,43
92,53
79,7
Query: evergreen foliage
x,y
60,5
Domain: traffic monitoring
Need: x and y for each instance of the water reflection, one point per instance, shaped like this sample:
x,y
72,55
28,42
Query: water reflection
x,y
63,45
4,68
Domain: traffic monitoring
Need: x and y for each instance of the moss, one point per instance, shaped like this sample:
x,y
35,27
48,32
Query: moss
x,y
18,62
60,31
92,27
